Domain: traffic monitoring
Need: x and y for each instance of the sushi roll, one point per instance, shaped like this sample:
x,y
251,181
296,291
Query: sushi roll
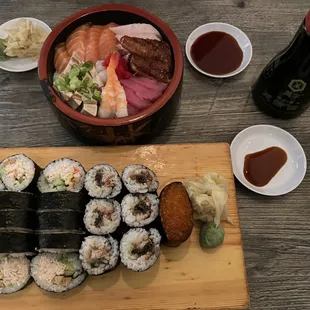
x,y
62,201
102,216
2,187
64,174
59,241
139,210
17,172
139,179
99,254
59,219
14,273
103,181
140,249
17,201
17,218
57,273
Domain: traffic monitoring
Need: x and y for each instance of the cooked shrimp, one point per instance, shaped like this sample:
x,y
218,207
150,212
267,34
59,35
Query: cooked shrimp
x,y
113,97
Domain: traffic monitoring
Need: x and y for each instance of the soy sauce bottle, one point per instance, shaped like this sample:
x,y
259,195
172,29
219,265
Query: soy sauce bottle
x,y
283,88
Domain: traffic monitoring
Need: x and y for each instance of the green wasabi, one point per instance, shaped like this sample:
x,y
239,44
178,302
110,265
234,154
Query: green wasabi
x,y
211,236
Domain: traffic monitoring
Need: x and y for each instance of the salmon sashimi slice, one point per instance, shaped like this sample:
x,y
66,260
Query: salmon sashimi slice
x,y
92,49
61,58
113,96
107,42
77,42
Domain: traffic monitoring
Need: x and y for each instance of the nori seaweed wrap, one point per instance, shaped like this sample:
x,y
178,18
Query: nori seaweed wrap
x,y
17,218
59,242
16,242
62,200
66,219
16,200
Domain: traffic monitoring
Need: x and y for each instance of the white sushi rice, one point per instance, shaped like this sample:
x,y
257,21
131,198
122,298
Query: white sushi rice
x,y
140,209
56,272
102,216
14,273
99,254
64,174
139,248
103,181
139,179
17,172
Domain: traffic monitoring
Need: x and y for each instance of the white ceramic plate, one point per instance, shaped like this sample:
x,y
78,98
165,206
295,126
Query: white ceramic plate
x,y
260,137
242,39
20,64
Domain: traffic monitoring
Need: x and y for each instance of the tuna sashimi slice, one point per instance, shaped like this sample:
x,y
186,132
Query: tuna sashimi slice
x,y
131,110
135,101
142,91
149,83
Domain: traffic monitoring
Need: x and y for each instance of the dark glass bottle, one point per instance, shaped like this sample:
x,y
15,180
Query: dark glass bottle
x,y
283,88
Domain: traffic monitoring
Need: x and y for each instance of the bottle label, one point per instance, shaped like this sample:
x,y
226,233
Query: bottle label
x,y
288,99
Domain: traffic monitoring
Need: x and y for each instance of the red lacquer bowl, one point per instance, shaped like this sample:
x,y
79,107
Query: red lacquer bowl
x,y
132,129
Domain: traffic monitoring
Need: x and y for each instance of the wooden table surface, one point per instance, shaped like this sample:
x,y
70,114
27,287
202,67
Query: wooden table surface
x,y
275,230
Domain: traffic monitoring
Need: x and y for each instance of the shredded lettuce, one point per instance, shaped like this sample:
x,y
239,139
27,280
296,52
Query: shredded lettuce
x,y
3,55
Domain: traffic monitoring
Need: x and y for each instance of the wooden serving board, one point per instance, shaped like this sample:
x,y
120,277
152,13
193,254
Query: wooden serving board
x,y
185,277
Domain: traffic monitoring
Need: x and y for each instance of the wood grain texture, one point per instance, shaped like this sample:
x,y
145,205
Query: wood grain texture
x,y
185,277
275,231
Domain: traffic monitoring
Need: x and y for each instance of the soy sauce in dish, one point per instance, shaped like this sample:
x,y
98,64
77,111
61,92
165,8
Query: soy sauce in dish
x,y
217,53
262,166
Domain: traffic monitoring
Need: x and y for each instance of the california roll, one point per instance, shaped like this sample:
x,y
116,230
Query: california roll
x,y
17,172
64,174
57,273
14,273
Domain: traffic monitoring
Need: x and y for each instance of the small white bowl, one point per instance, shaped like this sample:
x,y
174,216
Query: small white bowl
x,y
260,137
242,39
20,64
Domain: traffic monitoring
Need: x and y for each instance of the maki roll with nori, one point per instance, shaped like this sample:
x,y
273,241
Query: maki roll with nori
x,y
99,254
103,181
57,272
102,216
140,248
64,174
59,219
17,172
16,201
14,273
16,241
17,222
60,227
139,210
139,179
59,241
62,201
